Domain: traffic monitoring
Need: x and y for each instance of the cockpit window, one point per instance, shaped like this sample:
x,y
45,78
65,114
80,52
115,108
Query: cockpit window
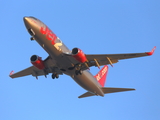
x,y
33,18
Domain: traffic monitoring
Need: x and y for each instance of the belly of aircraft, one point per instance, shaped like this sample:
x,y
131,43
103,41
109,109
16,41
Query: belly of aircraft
x,y
85,80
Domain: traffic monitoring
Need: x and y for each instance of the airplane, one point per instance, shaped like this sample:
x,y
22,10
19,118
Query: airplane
x,y
74,63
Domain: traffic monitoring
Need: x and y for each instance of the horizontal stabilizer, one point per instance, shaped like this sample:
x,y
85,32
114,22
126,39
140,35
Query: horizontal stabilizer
x,y
107,90
113,90
87,94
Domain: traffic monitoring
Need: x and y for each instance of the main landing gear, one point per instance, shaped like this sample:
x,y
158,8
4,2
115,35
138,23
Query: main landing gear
x,y
55,76
77,68
78,72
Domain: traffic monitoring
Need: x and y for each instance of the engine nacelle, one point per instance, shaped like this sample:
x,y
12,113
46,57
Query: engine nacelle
x,y
37,62
79,55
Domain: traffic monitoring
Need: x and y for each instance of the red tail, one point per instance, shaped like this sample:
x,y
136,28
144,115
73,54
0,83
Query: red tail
x,y
101,75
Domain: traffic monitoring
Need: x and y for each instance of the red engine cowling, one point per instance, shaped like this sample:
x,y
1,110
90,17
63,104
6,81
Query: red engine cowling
x,y
79,55
37,62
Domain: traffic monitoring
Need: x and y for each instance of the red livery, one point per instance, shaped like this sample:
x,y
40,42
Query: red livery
x,y
37,62
79,55
73,62
49,34
101,76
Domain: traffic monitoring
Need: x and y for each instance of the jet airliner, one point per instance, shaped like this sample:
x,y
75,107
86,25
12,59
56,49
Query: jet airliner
x,y
74,63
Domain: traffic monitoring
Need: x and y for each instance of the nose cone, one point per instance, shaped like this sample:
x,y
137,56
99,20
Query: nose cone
x,y
27,21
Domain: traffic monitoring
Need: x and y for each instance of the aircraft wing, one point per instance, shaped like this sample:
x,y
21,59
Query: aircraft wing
x,y
104,59
50,67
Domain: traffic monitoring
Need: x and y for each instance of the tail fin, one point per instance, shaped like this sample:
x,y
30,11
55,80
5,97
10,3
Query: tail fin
x,y
101,78
101,75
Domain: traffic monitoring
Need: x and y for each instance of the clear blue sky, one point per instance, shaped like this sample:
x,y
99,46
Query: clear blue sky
x,y
105,26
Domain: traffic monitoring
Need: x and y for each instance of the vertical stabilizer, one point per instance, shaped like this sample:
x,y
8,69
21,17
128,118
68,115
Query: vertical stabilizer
x,y
101,75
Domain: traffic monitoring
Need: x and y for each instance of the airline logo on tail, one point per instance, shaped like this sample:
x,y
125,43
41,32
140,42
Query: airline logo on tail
x,y
101,75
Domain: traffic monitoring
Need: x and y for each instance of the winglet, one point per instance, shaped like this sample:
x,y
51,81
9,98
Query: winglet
x,y
11,73
151,52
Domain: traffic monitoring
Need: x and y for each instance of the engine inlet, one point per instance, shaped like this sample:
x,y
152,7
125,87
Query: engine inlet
x,y
34,58
74,51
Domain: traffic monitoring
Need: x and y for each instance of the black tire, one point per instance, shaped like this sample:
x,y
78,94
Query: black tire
x,y
32,38
80,72
76,72
57,76
53,76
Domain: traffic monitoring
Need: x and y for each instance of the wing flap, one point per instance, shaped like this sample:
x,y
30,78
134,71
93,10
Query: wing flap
x,y
114,57
25,72
119,56
105,59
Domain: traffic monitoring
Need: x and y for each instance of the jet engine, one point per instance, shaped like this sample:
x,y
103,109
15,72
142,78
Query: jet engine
x,y
37,62
79,55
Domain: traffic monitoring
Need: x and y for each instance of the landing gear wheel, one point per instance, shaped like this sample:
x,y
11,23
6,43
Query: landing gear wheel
x,y
53,76
78,72
57,76
32,38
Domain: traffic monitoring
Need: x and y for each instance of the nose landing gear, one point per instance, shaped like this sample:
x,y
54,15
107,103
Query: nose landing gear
x,y
32,38
32,33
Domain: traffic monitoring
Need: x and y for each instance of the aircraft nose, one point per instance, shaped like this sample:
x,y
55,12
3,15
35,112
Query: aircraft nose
x,y
27,21
25,18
